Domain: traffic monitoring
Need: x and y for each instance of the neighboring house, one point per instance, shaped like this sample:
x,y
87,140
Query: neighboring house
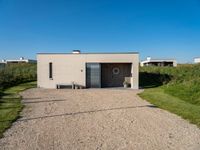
x,y
21,60
158,62
197,60
2,65
90,70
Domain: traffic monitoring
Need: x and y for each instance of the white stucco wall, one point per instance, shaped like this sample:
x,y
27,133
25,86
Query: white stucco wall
x,y
68,68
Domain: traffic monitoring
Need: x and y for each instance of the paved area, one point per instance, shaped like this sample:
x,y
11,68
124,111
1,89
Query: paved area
x,y
96,119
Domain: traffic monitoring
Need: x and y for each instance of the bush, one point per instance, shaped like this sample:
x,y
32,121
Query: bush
x,y
182,81
14,74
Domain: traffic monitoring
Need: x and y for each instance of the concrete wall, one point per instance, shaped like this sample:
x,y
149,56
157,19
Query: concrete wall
x,y
72,67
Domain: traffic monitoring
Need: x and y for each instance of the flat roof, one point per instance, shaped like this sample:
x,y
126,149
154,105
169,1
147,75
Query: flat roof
x,y
164,59
90,53
158,60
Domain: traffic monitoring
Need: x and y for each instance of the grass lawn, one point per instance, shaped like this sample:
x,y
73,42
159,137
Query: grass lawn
x,y
160,98
10,105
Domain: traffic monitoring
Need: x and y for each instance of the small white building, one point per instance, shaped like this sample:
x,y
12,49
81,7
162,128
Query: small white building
x,y
158,62
20,60
197,60
2,64
90,70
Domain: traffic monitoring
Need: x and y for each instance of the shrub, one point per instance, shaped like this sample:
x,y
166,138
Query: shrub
x,y
14,74
182,81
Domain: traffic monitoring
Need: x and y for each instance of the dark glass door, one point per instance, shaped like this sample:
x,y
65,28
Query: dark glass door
x,y
93,75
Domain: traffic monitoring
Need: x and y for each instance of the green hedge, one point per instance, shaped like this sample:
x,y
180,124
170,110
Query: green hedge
x,y
14,74
182,81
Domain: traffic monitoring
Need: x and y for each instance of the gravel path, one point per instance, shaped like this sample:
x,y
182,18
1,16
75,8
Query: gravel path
x,y
96,119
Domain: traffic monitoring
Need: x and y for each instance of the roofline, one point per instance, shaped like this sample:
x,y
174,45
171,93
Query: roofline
x,y
88,53
164,59
159,60
20,60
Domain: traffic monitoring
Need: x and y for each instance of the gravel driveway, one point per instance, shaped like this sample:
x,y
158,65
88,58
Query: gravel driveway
x,y
96,119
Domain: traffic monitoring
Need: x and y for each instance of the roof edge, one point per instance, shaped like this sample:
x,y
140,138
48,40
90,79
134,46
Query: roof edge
x,y
89,53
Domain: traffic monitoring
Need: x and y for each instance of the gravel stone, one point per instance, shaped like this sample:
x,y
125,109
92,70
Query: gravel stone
x,y
101,119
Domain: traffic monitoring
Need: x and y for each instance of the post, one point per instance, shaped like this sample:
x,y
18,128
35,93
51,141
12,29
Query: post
x,y
135,74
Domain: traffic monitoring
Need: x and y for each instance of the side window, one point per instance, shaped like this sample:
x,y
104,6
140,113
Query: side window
x,y
50,70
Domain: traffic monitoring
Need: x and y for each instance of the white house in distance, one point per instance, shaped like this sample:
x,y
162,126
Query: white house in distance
x,y
197,60
158,62
2,65
90,70
20,60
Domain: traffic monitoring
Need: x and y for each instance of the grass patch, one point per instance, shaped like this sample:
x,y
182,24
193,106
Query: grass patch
x,y
10,104
182,81
176,89
160,98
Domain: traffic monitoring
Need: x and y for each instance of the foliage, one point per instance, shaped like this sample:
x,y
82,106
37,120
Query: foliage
x,y
14,74
11,78
178,89
182,81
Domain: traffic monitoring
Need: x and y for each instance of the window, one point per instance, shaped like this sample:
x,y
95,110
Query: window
x,y
50,70
115,71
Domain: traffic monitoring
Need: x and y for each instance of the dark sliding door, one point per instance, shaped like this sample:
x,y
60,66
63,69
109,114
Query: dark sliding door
x,y
93,75
113,74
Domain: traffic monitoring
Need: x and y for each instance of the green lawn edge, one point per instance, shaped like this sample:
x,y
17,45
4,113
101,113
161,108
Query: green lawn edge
x,y
11,106
159,98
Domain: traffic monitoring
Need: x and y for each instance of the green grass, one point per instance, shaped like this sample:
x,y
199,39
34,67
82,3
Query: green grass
x,y
159,98
176,89
10,104
182,81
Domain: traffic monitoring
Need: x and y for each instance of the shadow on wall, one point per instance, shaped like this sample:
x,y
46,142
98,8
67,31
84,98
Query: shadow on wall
x,y
150,80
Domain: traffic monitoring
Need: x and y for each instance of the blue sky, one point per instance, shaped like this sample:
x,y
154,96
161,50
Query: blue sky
x,y
156,28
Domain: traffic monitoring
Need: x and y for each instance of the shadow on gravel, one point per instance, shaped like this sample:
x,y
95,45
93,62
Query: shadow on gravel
x,y
84,112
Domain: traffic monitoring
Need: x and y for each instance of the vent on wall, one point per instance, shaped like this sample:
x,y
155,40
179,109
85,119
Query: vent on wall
x,y
76,51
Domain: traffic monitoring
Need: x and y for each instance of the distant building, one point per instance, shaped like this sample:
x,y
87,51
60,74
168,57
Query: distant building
x,y
2,65
21,60
159,62
197,60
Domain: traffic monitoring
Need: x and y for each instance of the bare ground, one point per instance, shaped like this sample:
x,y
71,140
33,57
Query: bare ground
x,y
96,119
